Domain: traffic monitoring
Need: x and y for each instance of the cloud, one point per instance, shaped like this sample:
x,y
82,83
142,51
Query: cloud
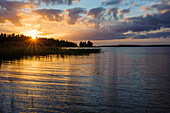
x,y
93,23
105,29
162,7
95,35
59,2
73,15
9,10
113,13
96,13
162,33
50,14
105,34
100,23
102,14
15,5
134,4
140,23
96,17
122,12
140,27
153,35
4,31
111,2
157,20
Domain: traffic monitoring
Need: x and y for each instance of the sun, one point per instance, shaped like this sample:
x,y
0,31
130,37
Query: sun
x,y
33,34
34,37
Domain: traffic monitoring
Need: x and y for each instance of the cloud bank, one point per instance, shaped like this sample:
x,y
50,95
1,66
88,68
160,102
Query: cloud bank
x,y
113,19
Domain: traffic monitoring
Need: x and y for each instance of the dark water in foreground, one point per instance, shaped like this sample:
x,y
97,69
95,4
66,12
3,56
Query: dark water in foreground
x,y
121,80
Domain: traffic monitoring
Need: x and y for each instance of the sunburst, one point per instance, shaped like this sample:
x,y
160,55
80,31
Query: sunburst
x,y
33,34
34,44
34,37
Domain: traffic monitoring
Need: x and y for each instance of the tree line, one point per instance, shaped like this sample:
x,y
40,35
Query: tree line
x,y
21,40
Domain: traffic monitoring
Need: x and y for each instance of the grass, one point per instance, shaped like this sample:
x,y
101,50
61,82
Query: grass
x,y
18,52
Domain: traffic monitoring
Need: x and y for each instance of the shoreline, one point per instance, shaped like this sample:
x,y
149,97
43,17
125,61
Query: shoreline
x,y
134,46
19,52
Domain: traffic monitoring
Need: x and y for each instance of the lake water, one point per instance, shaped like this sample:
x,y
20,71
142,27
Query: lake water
x,y
124,80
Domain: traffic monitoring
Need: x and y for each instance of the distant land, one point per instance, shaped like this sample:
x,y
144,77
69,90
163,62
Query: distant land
x,y
17,46
134,46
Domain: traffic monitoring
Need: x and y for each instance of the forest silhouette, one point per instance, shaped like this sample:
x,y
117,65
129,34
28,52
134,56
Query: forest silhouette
x,y
15,46
21,40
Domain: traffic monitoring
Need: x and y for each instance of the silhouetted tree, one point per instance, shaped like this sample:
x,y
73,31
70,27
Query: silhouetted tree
x,y
4,35
81,44
13,35
84,44
89,44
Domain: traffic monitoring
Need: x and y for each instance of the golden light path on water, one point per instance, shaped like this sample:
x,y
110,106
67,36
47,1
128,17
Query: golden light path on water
x,y
32,78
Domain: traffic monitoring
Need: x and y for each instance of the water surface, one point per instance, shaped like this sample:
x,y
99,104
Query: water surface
x,y
118,80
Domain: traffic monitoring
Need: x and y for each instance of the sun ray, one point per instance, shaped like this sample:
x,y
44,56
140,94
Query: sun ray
x,y
34,43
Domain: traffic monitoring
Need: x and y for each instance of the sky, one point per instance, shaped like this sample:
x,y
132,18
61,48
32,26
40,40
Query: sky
x,y
104,22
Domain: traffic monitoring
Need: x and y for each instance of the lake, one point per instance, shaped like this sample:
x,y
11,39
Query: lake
x,y
120,79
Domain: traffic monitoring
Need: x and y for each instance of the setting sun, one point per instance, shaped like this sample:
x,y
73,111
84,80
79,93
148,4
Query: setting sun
x,y
33,34
33,37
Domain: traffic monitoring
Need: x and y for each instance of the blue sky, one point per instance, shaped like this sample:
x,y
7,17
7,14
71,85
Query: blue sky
x,y
105,22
